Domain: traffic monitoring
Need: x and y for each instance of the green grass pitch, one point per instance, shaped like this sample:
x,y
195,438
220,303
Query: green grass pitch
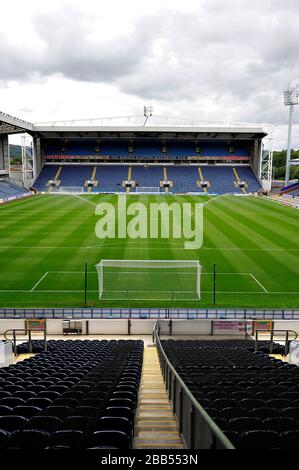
x,y
45,241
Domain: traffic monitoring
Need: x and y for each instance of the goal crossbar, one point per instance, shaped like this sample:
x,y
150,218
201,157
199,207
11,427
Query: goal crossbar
x,y
147,189
144,276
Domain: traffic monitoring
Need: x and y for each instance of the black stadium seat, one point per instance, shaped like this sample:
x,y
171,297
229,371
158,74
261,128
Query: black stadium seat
x,y
56,399
280,424
113,438
27,411
12,423
72,438
4,437
115,423
290,439
251,396
29,439
6,410
244,424
80,423
45,423
261,439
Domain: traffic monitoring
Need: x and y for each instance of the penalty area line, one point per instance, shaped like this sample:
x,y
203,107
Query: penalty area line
x,y
43,277
259,283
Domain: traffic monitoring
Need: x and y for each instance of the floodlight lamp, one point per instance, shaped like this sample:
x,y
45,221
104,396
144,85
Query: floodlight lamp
x,y
148,111
290,97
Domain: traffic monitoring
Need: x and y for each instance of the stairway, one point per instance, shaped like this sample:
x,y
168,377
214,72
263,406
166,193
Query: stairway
x,y
238,180
201,179
56,178
93,177
165,178
155,425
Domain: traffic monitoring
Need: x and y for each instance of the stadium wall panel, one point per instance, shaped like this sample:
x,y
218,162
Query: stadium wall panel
x,y
287,325
108,327
142,327
9,324
192,327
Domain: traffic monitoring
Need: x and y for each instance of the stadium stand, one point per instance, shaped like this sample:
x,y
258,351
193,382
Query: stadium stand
x,y
183,178
78,394
223,166
111,177
147,175
147,149
221,179
48,172
252,397
247,175
9,190
114,149
179,150
292,188
156,149
75,175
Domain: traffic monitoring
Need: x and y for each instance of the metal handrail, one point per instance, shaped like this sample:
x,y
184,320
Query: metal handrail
x,y
156,330
272,331
211,436
26,331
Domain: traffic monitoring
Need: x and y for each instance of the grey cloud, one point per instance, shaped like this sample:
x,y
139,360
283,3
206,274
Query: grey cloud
x,y
67,48
235,55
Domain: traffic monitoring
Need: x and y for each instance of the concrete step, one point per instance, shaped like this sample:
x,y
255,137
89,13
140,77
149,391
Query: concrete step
x,y
150,413
152,401
152,383
158,435
155,427
154,422
153,408
153,389
164,443
152,396
158,446
144,387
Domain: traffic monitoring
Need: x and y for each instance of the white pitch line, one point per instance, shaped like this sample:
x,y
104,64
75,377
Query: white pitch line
x,y
132,246
71,272
43,277
258,282
85,199
213,198
204,291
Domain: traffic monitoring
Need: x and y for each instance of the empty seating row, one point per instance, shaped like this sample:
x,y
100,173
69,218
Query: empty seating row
x,y
9,190
252,397
182,179
78,394
144,148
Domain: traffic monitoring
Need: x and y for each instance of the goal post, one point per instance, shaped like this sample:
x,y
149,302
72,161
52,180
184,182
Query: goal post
x,y
149,279
147,189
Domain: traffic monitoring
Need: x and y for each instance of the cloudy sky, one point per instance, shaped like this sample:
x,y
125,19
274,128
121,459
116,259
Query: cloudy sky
x,y
211,60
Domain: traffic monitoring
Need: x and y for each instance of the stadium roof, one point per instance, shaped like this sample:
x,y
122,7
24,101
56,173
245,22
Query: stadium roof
x,y
12,125
131,132
106,128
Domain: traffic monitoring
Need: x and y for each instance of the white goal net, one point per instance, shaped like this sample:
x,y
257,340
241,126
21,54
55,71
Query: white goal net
x,y
147,189
67,190
149,279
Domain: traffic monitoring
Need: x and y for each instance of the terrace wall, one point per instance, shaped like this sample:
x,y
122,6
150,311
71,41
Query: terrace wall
x,y
145,327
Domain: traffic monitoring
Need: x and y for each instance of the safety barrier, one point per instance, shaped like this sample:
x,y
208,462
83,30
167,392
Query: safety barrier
x,y
151,313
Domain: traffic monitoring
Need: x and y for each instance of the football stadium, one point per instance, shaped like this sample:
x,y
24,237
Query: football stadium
x,y
149,290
